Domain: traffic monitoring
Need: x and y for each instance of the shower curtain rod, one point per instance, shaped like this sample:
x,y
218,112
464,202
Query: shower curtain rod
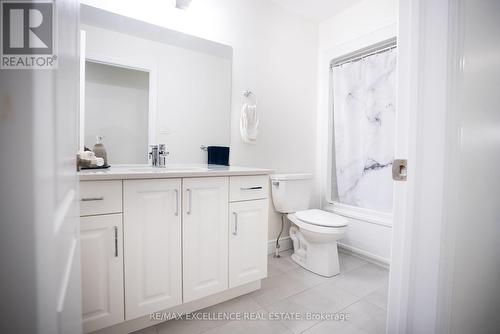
x,y
352,59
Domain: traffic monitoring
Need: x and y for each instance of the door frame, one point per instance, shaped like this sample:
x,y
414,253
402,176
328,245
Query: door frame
x,y
428,63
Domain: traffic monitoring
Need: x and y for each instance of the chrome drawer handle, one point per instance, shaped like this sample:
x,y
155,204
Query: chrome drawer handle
x,y
189,200
91,199
251,188
176,202
235,232
116,241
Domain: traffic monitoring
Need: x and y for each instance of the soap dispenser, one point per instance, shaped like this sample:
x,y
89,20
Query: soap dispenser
x,y
100,151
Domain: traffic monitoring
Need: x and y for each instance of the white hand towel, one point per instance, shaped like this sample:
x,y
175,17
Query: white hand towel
x,y
86,155
249,123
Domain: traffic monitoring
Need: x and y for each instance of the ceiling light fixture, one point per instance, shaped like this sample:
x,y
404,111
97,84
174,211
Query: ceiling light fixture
x,y
182,4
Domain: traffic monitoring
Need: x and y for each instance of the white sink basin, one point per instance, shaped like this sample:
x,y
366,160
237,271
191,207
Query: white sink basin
x,y
167,169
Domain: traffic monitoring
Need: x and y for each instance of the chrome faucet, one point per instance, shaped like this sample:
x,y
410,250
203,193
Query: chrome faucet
x,y
162,155
158,155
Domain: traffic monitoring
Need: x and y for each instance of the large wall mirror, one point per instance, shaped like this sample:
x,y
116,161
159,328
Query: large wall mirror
x,y
144,85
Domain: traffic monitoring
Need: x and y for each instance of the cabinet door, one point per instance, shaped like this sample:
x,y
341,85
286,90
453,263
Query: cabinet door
x,y
152,239
102,271
205,226
247,241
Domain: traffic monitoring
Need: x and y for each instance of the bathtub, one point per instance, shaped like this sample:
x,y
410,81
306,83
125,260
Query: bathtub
x,y
369,232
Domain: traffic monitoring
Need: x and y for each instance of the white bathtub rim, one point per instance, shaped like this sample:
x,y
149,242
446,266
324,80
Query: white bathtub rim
x,y
366,215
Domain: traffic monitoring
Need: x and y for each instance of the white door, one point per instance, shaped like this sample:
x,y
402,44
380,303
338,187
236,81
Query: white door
x,y
204,236
472,225
445,269
247,241
152,243
102,271
39,234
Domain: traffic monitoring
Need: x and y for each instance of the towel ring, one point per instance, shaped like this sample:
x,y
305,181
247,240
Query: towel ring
x,y
247,95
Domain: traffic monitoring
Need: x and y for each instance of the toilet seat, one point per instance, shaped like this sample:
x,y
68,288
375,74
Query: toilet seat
x,y
321,218
319,221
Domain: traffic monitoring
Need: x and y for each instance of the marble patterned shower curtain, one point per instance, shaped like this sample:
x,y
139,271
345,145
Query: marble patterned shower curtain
x,y
364,98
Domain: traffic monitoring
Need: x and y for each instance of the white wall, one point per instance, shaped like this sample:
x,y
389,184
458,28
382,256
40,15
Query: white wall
x,y
274,55
364,24
116,107
356,21
193,91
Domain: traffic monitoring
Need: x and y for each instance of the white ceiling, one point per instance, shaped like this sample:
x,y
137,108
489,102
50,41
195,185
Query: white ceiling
x,y
317,10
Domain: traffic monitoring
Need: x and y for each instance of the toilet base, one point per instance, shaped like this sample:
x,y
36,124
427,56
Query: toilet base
x,y
316,252
326,265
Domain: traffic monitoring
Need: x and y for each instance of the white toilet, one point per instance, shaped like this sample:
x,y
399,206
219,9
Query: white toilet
x,y
314,233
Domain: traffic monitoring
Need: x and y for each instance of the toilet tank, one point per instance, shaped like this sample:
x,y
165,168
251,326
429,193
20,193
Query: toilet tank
x,y
291,192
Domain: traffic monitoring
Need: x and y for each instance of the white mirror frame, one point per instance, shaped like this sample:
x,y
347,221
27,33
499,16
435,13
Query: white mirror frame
x,y
123,63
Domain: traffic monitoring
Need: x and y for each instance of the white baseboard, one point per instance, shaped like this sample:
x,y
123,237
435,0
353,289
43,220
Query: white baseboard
x,y
285,244
367,256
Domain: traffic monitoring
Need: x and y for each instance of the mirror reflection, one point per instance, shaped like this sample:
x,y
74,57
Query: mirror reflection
x,y
116,109
146,85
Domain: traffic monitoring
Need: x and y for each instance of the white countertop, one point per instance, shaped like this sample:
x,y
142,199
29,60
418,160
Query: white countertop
x,y
126,172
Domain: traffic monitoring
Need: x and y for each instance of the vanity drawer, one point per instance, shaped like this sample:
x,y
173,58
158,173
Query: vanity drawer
x,y
100,197
243,188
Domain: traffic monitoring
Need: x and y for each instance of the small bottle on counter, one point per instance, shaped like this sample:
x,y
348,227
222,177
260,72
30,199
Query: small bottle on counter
x,y
100,151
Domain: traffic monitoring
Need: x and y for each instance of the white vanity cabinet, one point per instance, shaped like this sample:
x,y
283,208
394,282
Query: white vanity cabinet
x,y
100,197
102,271
248,216
204,236
101,244
164,244
152,240
247,242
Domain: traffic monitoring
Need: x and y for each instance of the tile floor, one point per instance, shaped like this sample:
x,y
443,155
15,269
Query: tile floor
x,y
359,291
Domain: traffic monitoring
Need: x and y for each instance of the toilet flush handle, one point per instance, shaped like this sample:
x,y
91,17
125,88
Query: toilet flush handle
x,y
276,183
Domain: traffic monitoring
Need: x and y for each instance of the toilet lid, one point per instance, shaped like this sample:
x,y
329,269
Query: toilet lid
x,y
321,218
